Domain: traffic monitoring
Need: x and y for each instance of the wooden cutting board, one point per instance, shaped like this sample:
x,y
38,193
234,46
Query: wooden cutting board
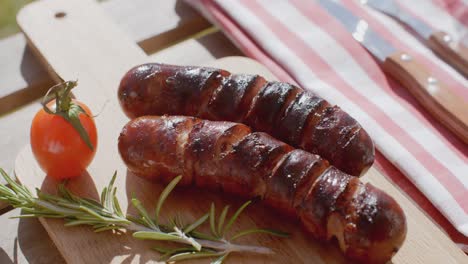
x,y
76,40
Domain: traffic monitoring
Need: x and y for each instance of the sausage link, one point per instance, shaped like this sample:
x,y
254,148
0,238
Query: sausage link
x,y
287,112
268,106
228,157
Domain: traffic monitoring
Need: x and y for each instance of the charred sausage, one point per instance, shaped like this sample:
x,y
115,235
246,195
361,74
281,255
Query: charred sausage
x,y
368,224
289,113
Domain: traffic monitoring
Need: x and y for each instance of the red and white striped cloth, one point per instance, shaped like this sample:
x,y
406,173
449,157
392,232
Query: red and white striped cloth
x,y
300,42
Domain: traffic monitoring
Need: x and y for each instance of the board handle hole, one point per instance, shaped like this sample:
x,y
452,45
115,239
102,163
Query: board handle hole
x,y
60,14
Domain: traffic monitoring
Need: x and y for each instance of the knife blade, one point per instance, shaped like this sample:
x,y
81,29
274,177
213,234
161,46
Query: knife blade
x,y
448,108
453,52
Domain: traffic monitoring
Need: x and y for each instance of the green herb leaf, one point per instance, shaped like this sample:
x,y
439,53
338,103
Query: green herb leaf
x,y
144,214
136,220
117,208
164,194
168,252
202,235
91,203
66,108
189,240
212,220
220,259
107,215
104,195
193,255
17,188
221,220
235,216
73,117
196,224
162,250
105,228
154,235
260,230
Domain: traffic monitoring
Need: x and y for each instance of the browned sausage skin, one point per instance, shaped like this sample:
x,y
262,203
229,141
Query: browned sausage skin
x,y
368,224
285,111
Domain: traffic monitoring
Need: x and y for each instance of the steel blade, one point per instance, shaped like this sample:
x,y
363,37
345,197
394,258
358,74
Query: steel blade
x,y
392,9
359,29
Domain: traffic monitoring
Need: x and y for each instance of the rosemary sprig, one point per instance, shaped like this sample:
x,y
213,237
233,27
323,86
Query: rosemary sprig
x,y
107,215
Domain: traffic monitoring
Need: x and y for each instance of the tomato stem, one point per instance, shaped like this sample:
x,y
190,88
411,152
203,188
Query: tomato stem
x,y
66,108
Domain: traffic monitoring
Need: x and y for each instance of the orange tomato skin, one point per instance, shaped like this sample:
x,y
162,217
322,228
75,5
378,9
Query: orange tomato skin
x,y
57,146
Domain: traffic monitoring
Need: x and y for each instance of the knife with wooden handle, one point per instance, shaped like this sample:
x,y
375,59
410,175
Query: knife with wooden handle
x,y
448,108
453,52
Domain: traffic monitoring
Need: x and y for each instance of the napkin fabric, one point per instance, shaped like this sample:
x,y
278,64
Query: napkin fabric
x,y
301,43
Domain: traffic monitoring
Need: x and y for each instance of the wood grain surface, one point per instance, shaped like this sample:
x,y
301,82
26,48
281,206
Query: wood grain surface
x,y
454,53
87,46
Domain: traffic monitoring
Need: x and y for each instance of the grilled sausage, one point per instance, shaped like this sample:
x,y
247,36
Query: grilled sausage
x,y
368,224
289,113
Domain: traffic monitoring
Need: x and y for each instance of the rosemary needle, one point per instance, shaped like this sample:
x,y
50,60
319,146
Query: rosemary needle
x,y
107,215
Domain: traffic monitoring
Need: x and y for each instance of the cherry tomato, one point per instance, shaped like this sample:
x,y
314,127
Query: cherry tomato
x,y
58,147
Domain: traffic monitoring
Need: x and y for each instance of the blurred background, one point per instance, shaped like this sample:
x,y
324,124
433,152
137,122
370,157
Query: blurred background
x,y
8,10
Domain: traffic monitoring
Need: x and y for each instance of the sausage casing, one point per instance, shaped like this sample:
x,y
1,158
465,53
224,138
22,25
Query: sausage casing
x,y
368,224
289,113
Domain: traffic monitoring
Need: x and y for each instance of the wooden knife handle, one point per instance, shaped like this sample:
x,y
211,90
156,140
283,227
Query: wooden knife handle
x,y
454,53
447,107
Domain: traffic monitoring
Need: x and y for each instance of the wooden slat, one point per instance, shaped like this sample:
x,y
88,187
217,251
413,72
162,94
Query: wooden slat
x,y
197,51
23,78
154,25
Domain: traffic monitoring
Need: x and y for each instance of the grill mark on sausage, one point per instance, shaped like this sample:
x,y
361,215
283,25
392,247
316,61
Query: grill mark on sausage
x,y
223,156
268,105
289,113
